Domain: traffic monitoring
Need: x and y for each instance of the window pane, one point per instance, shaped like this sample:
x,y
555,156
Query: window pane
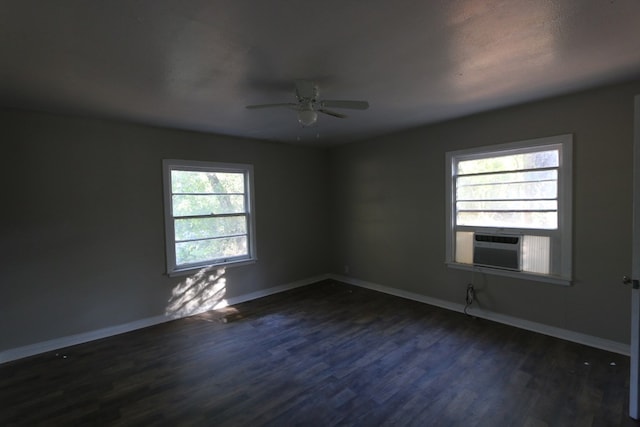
x,y
542,220
526,199
185,205
508,205
540,159
206,182
210,250
528,190
508,177
198,228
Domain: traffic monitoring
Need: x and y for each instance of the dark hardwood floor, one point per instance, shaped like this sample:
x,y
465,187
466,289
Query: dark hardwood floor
x,y
323,355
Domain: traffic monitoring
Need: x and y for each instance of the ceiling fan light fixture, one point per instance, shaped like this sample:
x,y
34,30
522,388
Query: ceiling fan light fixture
x,y
307,117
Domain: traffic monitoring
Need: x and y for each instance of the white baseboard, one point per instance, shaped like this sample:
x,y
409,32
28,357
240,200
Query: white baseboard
x,y
58,343
589,340
276,289
69,340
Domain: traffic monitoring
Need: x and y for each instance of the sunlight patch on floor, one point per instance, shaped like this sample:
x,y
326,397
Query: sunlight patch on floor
x,y
201,292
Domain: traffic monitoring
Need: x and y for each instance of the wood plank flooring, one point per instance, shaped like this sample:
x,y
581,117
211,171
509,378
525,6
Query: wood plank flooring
x,y
323,355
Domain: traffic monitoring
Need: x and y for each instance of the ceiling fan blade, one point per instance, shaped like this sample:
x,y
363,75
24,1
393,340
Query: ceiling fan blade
x,y
285,104
353,105
332,113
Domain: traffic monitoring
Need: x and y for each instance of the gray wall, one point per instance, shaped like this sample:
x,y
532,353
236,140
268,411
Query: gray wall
x,y
389,214
82,227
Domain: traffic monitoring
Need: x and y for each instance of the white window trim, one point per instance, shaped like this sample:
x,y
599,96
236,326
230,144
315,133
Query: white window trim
x,y
565,206
193,165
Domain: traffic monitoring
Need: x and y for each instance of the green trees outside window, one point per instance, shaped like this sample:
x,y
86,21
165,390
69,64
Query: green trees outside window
x,y
209,216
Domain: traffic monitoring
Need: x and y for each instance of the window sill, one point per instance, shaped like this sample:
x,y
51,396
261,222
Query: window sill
x,y
191,270
556,280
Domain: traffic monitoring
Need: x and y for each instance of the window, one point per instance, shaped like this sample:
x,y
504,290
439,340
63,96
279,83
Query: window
x,y
510,196
208,214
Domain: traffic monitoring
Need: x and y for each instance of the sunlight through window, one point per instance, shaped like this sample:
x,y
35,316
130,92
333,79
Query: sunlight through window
x,y
201,292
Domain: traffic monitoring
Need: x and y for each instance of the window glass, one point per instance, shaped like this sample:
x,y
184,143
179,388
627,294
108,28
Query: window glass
x,y
203,228
197,251
512,162
183,181
199,204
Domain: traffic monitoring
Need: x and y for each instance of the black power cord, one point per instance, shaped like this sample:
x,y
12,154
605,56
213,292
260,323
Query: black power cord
x,y
471,296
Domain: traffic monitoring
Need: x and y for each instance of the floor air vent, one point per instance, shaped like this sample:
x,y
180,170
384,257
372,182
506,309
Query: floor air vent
x,y
497,251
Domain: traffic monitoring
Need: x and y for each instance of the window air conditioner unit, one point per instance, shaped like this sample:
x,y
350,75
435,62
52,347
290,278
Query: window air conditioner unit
x,y
497,251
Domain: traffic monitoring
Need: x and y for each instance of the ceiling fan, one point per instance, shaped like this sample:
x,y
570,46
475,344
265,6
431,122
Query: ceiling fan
x,y
308,105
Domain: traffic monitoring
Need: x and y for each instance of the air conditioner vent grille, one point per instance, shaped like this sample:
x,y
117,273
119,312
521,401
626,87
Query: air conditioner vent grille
x,y
497,239
497,251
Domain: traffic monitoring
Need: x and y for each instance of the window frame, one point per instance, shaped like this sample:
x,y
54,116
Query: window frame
x,y
169,165
562,237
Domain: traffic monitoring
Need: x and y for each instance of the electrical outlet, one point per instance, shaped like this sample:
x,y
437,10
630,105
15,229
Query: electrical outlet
x,y
346,269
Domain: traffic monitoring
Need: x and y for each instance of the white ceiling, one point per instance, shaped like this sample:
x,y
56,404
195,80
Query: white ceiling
x,y
196,64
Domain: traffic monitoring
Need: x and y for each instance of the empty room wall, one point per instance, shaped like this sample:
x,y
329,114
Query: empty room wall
x,y
82,239
389,215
